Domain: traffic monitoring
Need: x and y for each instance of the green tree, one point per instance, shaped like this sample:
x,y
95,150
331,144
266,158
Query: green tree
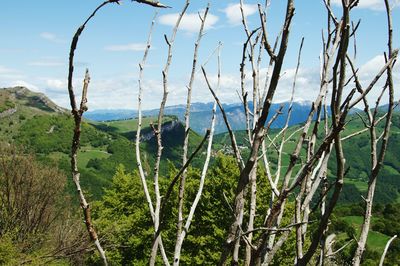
x,y
123,217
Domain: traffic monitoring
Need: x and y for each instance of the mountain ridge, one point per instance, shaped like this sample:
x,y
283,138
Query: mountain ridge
x,y
201,113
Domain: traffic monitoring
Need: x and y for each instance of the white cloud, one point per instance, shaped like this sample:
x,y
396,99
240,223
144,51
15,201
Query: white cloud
x,y
26,84
234,14
371,68
51,37
367,72
371,4
190,21
56,83
121,91
135,47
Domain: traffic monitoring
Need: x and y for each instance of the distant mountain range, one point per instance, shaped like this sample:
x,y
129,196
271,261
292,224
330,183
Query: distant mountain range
x,y
200,117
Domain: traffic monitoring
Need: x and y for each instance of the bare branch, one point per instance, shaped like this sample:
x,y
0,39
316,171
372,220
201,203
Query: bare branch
x,y
139,127
236,151
75,171
180,234
340,249
165,74
189,219
267,46
74,44
151,3
386,249
330,12
77,130
375,80
137,141
258,136
377,158
283,229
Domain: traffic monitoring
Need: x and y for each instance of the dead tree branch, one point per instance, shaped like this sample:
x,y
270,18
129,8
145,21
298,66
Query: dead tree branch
x,y
77,114
235,147
258,136
75,171
187,128
167,195
151,3
386,249
158,133
181,236
137,141
377,158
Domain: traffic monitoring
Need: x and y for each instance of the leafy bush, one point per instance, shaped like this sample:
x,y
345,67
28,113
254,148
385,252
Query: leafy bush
x,y
7,105
34,218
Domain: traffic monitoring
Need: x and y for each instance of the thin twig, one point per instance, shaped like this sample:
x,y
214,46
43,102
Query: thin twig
x,y
386,249
187,131
189,219
151,3
236,150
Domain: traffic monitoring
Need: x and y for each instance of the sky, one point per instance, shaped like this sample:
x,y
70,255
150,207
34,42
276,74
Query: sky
x,y
36,37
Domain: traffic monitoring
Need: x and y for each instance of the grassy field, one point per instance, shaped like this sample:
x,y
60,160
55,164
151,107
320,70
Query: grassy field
x,y
129,125
376,241
88,153
84,155
362,186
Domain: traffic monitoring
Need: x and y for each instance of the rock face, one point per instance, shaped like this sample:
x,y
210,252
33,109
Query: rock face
x,y
166,127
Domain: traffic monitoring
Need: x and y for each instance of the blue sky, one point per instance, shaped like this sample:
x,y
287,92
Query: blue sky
x,y
36,37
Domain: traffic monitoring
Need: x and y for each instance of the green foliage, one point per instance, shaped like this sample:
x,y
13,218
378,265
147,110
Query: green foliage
x,y
8,251
124,218
121,151
6,105
213,215
36,226
123,215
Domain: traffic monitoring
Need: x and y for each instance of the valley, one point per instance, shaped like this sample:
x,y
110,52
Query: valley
x,y
33,122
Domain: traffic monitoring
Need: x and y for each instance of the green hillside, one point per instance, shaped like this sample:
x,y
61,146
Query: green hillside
x,y
31,120
18,105
356,151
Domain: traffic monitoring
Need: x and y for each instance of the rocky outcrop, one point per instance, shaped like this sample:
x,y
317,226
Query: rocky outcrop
x,y
35,99
166,127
